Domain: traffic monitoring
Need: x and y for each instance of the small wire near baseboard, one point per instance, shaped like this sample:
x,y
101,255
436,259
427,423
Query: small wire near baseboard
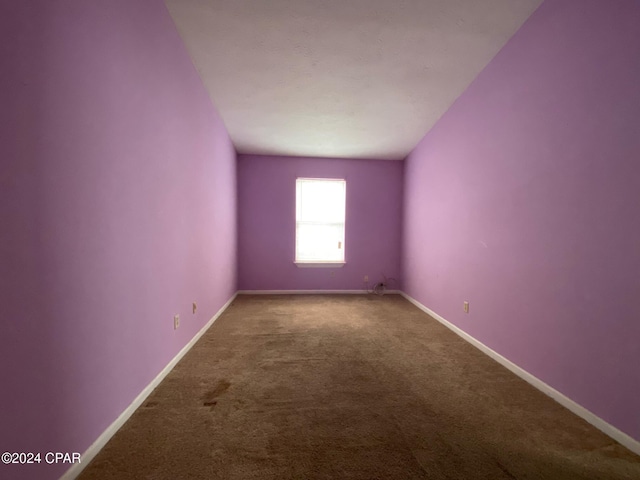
x,y
387,285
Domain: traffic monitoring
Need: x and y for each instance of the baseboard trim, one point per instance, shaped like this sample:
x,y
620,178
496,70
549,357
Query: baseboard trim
x,y
111,430
608,429
310,292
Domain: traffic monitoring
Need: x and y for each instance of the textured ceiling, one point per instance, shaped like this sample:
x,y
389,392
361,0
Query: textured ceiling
x,y
340,78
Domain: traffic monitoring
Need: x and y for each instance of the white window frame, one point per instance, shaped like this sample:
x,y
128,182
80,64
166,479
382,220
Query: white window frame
x,y
319,263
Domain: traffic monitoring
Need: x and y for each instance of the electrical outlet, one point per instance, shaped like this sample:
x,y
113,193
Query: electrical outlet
x,y
366,278
176,322
194,307
466,307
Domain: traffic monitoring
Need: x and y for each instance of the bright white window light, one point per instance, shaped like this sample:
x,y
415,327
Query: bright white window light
x,y
320,219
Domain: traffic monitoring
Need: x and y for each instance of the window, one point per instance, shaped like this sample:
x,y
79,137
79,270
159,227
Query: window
x,y
320,215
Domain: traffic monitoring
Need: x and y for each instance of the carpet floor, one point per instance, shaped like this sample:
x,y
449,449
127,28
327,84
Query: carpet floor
x,y
349,387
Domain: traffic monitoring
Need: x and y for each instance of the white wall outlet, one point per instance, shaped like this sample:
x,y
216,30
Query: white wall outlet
x,y
194,307
466,307
176,322
366,278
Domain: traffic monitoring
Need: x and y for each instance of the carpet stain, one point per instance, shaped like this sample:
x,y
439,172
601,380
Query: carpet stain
x,y
209,398
505,470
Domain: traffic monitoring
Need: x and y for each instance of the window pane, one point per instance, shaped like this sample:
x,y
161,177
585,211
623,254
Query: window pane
x,y
320,200
320,242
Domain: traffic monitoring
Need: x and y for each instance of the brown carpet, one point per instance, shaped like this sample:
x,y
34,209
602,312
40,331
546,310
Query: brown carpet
x,y
349,387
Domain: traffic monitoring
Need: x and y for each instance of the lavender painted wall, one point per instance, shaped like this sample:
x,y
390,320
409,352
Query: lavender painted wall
x,y
118,210
524,200
266,228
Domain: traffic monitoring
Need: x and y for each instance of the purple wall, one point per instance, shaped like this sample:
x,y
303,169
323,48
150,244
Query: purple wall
x,y
266,225
118,210
524,200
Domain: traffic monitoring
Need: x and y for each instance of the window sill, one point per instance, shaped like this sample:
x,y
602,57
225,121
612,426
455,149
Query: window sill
x,y
320,264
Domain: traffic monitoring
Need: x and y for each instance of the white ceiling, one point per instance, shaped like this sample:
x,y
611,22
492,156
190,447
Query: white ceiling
x,y
340,78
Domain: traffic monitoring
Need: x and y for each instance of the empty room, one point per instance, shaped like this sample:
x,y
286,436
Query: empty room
x,y
320,239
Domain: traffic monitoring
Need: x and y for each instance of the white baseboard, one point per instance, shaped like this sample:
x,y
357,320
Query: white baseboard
x,y
102,440
618,435
310,292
